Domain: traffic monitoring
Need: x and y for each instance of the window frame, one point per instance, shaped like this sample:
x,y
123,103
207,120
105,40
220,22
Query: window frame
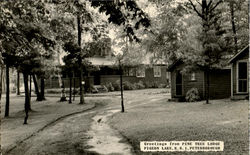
x,y
237,76
193,76
142,70
157,69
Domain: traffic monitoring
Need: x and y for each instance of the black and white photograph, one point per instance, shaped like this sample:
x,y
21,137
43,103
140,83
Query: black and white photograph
x,y
124,77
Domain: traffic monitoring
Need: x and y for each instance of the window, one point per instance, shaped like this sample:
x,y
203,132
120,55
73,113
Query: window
x,y
157,71
140,72
242,77
131,72
126,71
192,76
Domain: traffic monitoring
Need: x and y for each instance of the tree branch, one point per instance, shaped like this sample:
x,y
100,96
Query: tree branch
x,y
194,7
198,2
216,5
209,3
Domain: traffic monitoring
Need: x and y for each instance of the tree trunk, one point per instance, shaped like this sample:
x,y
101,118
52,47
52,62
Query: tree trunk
x,y
18,83
63,95
30,85
1,82
80,59
27,97
42,88
38,94
231,3
74,85
7,92
122,105
81,88
70,89
207,87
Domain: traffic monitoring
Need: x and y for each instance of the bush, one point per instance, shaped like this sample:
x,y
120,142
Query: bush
x,y
139,85
105,88
148,84
128,86
116,85
192,95
109,86
54,91
162,85
59,90
92,89
155,84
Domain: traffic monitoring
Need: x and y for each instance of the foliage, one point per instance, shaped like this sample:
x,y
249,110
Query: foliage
x,y
139,85
116,85
165,41
128,86
109,86
126,13
192,95
92,89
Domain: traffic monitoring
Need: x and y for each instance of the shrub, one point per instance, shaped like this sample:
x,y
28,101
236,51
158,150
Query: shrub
x,y
192,95
116,85
128,86
162,85
76,91
139,85
155,84
109,86
54,91
105,88
92,89
148,84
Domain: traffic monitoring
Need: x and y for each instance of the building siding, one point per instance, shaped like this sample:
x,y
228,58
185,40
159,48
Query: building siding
x,y
198,83
104,79
245,57
149,77
220,83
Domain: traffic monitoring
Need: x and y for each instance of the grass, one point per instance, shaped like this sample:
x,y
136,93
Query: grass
x,y
223,120
12,129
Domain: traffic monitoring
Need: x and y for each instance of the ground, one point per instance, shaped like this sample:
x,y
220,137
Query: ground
x,y
98,126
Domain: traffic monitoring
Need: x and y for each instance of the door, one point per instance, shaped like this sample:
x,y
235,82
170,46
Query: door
x,y
97,79
178,83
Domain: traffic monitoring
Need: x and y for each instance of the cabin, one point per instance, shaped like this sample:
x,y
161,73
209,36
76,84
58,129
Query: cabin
x,y
108,71
219,82
240,75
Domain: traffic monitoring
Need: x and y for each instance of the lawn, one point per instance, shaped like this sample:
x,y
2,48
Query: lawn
x,y
223,120
12,129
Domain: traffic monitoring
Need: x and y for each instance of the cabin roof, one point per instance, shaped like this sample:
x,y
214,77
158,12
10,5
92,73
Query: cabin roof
x,y
236,56
173,65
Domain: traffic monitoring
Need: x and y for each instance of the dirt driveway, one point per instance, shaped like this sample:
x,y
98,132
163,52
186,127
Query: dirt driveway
x,y
148,116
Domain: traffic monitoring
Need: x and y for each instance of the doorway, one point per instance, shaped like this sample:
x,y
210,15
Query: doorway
x,y
178,83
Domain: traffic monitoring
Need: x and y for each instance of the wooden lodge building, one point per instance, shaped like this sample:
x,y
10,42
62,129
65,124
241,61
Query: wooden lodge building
x,y
219,82
240,74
